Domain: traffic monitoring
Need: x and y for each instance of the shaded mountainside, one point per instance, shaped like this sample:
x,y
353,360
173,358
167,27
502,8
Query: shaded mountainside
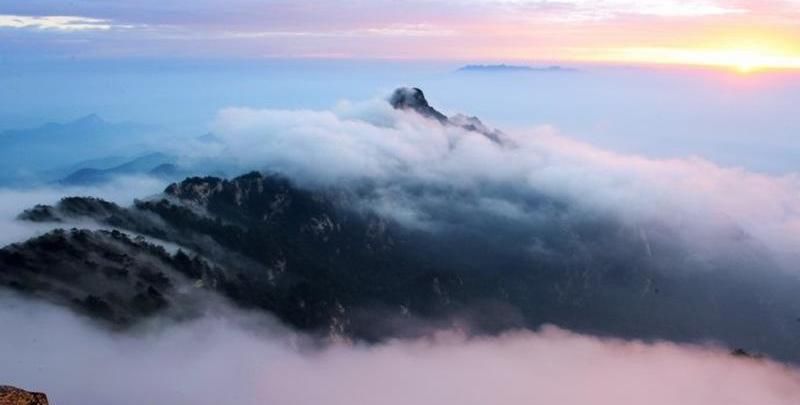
x,y
320,261
107,274
295,252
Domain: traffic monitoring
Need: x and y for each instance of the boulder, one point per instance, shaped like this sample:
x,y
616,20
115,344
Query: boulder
x,y
15,396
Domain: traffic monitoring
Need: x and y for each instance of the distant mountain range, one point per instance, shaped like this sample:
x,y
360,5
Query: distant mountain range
x,y
27,154
87,151
152,164
515,68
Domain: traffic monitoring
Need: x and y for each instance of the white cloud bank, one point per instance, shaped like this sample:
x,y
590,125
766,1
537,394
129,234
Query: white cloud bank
x,y
228,360
370,140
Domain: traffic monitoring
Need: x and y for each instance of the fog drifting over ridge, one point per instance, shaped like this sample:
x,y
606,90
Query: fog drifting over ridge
x,y
369,140
122,190
248,359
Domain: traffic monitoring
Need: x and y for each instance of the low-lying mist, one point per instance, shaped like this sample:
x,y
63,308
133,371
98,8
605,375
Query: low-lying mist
x,y
122,190
244,358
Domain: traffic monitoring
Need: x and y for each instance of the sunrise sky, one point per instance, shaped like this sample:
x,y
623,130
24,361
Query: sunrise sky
x,y
744,35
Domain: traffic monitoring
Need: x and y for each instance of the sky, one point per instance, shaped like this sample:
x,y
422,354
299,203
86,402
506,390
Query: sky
x,y
731,119
746,35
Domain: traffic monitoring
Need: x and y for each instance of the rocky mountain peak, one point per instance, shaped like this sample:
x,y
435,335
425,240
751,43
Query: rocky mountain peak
x,y
412,98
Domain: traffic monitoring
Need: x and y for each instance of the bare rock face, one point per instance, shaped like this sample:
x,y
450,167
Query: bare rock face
x,y
15,396
408,98
412,98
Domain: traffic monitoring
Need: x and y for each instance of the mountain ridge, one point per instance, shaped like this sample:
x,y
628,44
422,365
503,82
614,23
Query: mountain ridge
x,y
412,98
333,261
321,265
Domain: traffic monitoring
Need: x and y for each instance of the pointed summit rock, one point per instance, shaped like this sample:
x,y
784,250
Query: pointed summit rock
x,y
412,98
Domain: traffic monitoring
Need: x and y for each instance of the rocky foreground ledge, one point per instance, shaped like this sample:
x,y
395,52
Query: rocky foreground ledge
x,y
15,396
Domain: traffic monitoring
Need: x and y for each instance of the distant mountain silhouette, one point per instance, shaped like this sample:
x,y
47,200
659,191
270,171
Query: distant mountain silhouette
x,y
153,164
26,152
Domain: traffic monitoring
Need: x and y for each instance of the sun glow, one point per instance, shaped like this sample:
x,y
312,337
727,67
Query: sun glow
x,y
743,59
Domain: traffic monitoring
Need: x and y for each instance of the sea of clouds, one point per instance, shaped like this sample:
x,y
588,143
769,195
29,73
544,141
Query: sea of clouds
x,y
230,356
235,357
